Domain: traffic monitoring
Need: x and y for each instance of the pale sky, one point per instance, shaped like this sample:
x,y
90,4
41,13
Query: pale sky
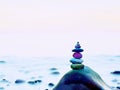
x,y
52,27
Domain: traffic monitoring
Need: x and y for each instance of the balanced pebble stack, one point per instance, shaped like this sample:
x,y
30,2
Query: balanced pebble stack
x,y
81,77
77,58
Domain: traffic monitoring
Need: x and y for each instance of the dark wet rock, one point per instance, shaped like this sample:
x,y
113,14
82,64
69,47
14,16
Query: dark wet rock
x,y
118,87
53,69
77,50
51,84
116,72
34,82
31,82
19,81
83,79
76,61
55,73
2,62
2,88
38,81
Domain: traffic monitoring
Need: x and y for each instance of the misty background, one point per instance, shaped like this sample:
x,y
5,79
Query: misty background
x,y
52,28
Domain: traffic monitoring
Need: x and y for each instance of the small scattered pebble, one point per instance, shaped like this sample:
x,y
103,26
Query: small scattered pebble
x,y
34,82
31,82
55,73
19,81
38,81
116,72
1,88
53,68
118,87
2,62
51,84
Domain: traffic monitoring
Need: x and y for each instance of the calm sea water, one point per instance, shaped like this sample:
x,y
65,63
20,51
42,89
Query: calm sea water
x,y
38,68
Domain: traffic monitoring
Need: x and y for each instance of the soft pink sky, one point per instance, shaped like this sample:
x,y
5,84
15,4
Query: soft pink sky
x,y
60,15
49,28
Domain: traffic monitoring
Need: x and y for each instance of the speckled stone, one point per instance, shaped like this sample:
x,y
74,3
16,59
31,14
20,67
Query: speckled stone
x,y
77,55
76,61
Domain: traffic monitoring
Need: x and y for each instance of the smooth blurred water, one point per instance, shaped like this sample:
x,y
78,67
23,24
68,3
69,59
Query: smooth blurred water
x,y
39,68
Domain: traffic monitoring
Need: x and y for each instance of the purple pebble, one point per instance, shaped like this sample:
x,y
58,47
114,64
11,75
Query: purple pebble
x,y
77,55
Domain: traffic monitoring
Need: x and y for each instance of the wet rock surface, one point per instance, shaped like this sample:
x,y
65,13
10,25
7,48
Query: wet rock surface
x,y
19,81
50,84
55,73
116,72
33,82
84,79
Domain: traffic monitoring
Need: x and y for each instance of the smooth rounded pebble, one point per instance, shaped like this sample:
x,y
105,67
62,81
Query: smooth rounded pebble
x,y
55,73
51,84
77,45
77,66
31,82
77,50
118,87
38,81
53,68
19,81
116,72
76,61
77,55
34,82
2,62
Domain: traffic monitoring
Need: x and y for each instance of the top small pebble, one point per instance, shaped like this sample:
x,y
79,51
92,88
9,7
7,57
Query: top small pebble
x,y
77,48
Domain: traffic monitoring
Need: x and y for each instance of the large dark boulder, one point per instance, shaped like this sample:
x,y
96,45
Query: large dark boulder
x,y
82,79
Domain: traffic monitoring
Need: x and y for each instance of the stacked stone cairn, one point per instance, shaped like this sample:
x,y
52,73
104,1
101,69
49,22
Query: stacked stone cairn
x,y
81,77
77,58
